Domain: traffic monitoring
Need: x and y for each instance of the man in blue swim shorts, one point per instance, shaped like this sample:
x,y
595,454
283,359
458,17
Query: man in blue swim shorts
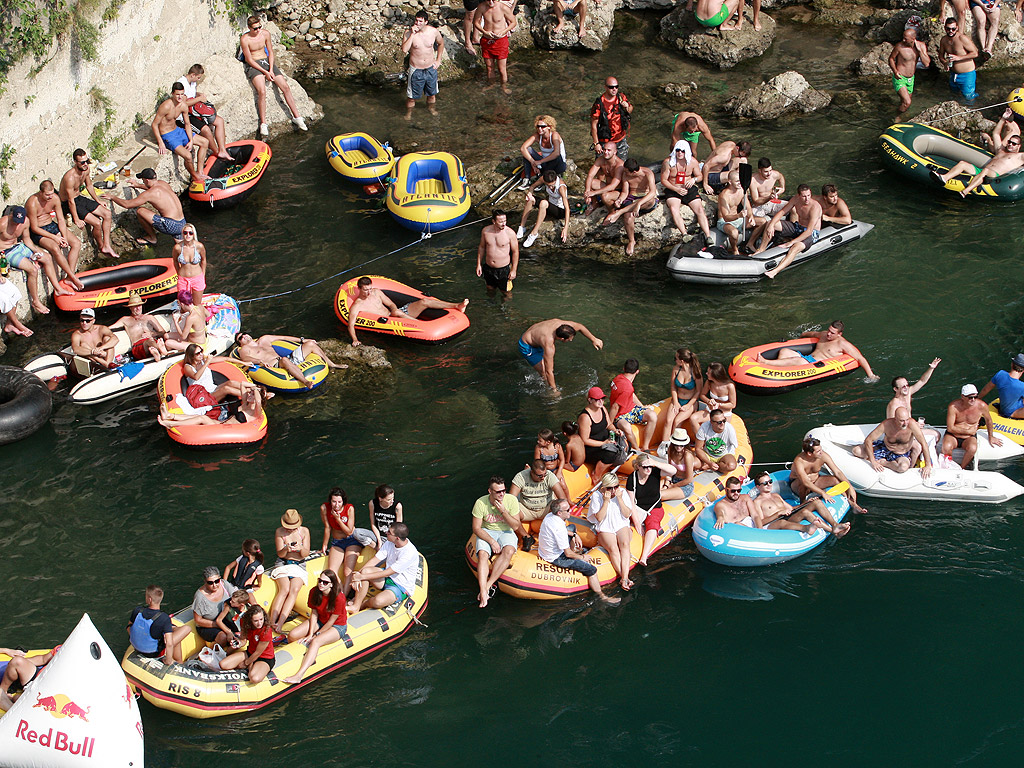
x,y
537,345
425,47
396,580
830,345
168,218
800,234
896,444
957,53
1010,388
177,139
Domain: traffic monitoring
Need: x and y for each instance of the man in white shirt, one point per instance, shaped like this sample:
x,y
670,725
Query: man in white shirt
x,y
717,443
211,128
555,546
396,580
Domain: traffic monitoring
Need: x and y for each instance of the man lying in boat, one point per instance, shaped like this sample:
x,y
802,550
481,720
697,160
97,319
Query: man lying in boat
x,y
805,478
963,417
144,332
896,444
772,511
831,344
374,301
1006,160
19,672
93,341
262,352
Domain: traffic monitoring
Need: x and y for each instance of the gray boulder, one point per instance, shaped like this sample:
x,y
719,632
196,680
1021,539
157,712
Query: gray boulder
x,y
874,62
723,49
600,20
952,117
785,93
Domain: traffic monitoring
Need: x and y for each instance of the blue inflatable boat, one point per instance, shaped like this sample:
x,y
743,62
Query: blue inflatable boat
x,y
738,545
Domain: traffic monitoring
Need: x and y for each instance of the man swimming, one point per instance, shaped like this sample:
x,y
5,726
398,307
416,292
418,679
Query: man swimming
x,y
537,345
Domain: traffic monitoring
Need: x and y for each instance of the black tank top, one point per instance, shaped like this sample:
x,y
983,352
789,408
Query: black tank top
x,y
384,517
598,429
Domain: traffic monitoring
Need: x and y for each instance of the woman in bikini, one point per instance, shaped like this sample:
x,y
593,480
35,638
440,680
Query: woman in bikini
x,y
188,325
575,448
718,392
550,451
190,263
685,387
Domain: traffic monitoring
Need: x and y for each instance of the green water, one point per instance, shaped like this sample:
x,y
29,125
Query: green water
x,y
896,645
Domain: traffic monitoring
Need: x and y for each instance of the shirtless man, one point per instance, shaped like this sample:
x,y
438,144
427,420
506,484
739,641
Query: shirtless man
x,y
1005,128
774,512
93,341
903,63
727,157
638,194
579,7
963,416
800,234
144,332
495,21
82,209
177,139
16,246
47,228
680,176
258,52
425,47
169,218
497,256
537,345
834,209
374,301
830,344
805,478
957,53
735,507
689,127
766,188
603,179
986,24
735,218
262,351
903,390
1005,160
890,445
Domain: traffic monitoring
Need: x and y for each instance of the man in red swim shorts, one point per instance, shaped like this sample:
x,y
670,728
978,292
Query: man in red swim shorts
x,y
495,21
144,331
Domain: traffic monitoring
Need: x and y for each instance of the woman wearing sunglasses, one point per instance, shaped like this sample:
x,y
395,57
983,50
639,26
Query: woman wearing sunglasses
x,y
326,622
207,604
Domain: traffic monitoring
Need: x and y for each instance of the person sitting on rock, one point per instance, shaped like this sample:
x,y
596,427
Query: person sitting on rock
x,y
579,7
262,351
680,176
47,229
638,194
209,127
556,203
168,218
9,298
16,247
179,139
603,179
258,53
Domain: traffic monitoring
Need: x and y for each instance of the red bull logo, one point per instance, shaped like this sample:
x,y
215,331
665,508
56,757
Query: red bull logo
x,y
58,741
60,706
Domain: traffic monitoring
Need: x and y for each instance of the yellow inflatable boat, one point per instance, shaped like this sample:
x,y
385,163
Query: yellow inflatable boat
x,y
313,367
203,693
528,576
429,192
360,158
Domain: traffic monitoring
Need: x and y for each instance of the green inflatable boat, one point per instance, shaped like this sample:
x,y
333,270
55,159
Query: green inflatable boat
x,y
915,150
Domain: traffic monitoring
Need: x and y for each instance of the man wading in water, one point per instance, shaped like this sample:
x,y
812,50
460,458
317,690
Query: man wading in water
x,y
425,47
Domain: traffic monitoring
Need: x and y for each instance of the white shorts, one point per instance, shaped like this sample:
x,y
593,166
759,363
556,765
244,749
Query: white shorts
x,y
289,570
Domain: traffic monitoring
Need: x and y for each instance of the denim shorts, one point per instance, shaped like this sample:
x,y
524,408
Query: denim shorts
x,y
574,564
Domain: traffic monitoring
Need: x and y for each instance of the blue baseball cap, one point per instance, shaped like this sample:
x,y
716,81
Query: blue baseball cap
x,y
18,214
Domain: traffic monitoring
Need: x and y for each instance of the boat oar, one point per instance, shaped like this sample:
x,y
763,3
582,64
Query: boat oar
x,y
836,490
510,179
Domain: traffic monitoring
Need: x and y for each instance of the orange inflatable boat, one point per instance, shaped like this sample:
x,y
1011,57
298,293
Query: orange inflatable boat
x,y
231,181
108,286
172,384
757,378
433,326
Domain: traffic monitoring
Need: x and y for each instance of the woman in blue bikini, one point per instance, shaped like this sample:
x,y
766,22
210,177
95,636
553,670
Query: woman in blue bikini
x,y
686,386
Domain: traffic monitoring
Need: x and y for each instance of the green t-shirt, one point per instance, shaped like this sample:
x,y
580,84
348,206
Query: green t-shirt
x,y
491,515
535,496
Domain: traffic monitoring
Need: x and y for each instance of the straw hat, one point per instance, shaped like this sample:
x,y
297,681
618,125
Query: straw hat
x,y
291,519
679,437
135,300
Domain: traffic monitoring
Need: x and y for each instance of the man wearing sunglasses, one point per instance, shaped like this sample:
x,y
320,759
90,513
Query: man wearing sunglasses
x,y
609,118
774,512
1006,160
963,417
93,341
957,53
1010,387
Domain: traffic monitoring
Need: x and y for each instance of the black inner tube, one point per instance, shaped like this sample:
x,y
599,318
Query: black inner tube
x,y
25,403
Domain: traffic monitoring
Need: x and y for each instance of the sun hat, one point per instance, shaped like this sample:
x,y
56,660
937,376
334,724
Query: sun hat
x,y
291,519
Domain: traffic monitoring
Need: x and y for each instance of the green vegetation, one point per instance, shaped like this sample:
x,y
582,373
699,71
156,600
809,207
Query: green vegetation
x,y
100,140
6,164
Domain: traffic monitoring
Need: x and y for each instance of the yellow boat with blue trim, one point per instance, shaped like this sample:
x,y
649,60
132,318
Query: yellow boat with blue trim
x,y
917,150
313,367
429,192
360,158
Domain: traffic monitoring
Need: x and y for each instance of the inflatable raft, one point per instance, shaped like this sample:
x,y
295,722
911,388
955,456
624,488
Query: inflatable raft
x,y
530,577
738,545
172,384
942,485
1006,428
107,286
916,150
25,403
98,386
313,367
232,181
193,690
360,158
79,711
433,326
429,192
756,378
725,269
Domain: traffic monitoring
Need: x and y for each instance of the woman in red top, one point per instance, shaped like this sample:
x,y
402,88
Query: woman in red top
x,y
258,657
339,519
326,622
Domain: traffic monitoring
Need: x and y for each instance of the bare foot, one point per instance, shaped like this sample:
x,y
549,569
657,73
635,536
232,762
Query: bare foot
x,y
642,562
224,156
506,90
470,49
483,600
59,292
770,275
610,600
626,584
630,248
40,308
408,116
757,25
558,27
858,508
432,110
22,331
335,366
463,305
79,285
841,530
